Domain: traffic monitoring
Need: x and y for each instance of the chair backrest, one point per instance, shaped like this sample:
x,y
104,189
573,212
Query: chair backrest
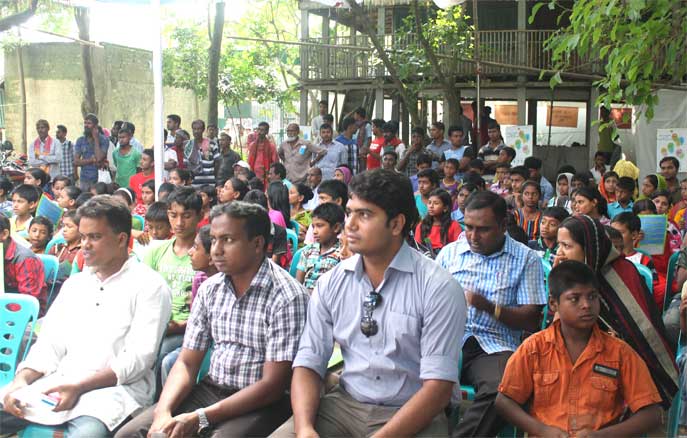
x,y
57,240
294,262
205,365
293,239
51,265
17,312
296,226
647,276
545,313
138,218
670,276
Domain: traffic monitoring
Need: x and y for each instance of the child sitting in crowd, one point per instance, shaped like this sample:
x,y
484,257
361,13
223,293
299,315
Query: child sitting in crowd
x,y
164,190
40,233
575,378
180,177
623,195
147,198
464,192
501,186
66,252
449,182
58,184
24,202
67,197
321,256
547,243
607,186
5,196
427,181
37,177
563,189
278,249
208,194
300,194
615,237
437,229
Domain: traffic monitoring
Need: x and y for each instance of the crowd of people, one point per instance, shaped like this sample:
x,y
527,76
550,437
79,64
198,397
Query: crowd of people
x,y
428,266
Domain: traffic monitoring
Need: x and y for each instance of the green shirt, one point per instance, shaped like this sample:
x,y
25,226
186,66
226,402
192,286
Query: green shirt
x,y
126,165
178,274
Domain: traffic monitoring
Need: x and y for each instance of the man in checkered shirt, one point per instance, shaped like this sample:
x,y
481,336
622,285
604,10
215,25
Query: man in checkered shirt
x,y
251,314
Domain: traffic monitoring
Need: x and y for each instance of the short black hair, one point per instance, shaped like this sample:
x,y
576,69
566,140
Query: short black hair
x,y
184,174
390,152
6,185
42,220
165,188
72,192
83,198
520,170
62,128
71,214
510,152
452,161
187,197
205,238
423,159
674,160
439,125
240,186
157,212
305,191
328,119
149,152
419,131
534,184
360,111
487,199
664,193
4,223
125,130
477,164
130,126
210,191
644,204
335,189
331,213
347,121
569,274
279,169
378,123
612,233
390,191
256,197
28,192
326,126
558,213
503,166
431,175
389,127
212,125
626,183
175,118
256,221
256,183
532,163
198,122
116,214
475,179
567,168
264,125
630,220
65,179
39,174
453,129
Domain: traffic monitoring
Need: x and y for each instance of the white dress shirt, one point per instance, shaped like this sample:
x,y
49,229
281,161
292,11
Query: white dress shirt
x,y
93,325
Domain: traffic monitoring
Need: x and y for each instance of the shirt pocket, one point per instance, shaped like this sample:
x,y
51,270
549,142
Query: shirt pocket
x,y
603,394
402,332
544,386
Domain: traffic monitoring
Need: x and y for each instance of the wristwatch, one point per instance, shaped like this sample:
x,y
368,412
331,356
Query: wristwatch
x,y
203,423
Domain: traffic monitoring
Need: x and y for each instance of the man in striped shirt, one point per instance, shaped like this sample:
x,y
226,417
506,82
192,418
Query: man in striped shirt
x,y
504,287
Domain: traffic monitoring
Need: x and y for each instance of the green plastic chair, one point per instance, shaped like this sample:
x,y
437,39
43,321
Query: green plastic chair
x,y
670,277
17,312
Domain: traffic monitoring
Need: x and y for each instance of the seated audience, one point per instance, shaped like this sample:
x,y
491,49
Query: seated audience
x,y
437,229
66,252
278,249
427,181
563,192
24,202
6,187
547,243
458,213
529,216
589,202
253,312
98,367
329,191
40,233
624,191
607,186
323,255
593,377
67,197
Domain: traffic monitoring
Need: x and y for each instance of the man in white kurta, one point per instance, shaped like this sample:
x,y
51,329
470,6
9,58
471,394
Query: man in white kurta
x,y
99,340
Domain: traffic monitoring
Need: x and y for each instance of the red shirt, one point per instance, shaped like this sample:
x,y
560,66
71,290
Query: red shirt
x,y
261,155
136,184
24,274
454,231
376,147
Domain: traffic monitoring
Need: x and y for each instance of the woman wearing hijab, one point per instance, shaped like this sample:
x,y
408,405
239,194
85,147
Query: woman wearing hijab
x,y
563,192
343,174
651,184
627,306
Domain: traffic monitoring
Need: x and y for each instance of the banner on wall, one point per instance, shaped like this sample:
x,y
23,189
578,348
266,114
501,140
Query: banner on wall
x,y
563,116
671,143
506,114
622,117
520,138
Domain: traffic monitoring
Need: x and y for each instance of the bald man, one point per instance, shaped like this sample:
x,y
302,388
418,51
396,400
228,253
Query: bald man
x,y
298,154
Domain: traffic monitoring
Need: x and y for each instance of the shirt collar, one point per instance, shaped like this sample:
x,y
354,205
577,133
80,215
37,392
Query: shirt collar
x,y
333,249
402,261
463,246
555,338
125,267
262,280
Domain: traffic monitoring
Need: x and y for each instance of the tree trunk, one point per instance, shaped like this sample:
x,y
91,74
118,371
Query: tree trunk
x,y
89,104
22,97
408,99
213,61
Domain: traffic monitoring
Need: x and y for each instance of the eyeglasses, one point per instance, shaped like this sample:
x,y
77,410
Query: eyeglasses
x,y
368,325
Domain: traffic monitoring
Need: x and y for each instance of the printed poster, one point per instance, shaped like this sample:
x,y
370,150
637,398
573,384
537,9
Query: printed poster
x,y
654,227
671,143
520,138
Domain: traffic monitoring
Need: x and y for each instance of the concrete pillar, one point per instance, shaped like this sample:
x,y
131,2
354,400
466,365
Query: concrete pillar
x,y
532,119
379,102
522,104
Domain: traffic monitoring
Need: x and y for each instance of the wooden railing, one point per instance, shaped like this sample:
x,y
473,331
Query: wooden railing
x,y
353,57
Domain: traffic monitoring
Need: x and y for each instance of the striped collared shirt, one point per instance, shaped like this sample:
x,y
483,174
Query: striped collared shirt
x,y
512,276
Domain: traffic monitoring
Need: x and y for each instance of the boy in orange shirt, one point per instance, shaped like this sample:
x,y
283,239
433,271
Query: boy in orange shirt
x,y
575,378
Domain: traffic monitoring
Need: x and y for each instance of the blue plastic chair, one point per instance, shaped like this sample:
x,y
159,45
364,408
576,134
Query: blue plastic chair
x,y
50,267
13,324
646,274
57,240
296,226
673,420
293,239
294,262
670,276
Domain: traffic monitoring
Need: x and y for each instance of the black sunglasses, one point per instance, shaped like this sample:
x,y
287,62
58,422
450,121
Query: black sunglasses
x,y
368,325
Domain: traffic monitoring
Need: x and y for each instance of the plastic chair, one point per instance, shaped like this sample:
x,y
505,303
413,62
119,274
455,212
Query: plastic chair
x,y
670,277
138,218
646,274
294,262
57,240
675,407
50,267
17,312
296,226
293,239
205,365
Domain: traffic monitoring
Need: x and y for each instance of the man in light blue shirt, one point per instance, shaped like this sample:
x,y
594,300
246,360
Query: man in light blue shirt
x,y
504,287
397,317
336,153
439,144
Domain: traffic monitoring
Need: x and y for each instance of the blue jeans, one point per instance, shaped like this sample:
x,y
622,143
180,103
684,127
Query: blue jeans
x,y
79,427
167,364
169,344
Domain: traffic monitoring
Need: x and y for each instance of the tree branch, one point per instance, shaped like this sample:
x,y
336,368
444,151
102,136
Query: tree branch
x,y
18,18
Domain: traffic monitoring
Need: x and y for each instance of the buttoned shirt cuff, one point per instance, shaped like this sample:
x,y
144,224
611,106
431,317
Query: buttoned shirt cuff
x,y
439,368
311,361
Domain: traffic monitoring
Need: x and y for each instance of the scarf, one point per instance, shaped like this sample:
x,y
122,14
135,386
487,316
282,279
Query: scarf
x,y
37,146
346,173
609,197
628,308
569,177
